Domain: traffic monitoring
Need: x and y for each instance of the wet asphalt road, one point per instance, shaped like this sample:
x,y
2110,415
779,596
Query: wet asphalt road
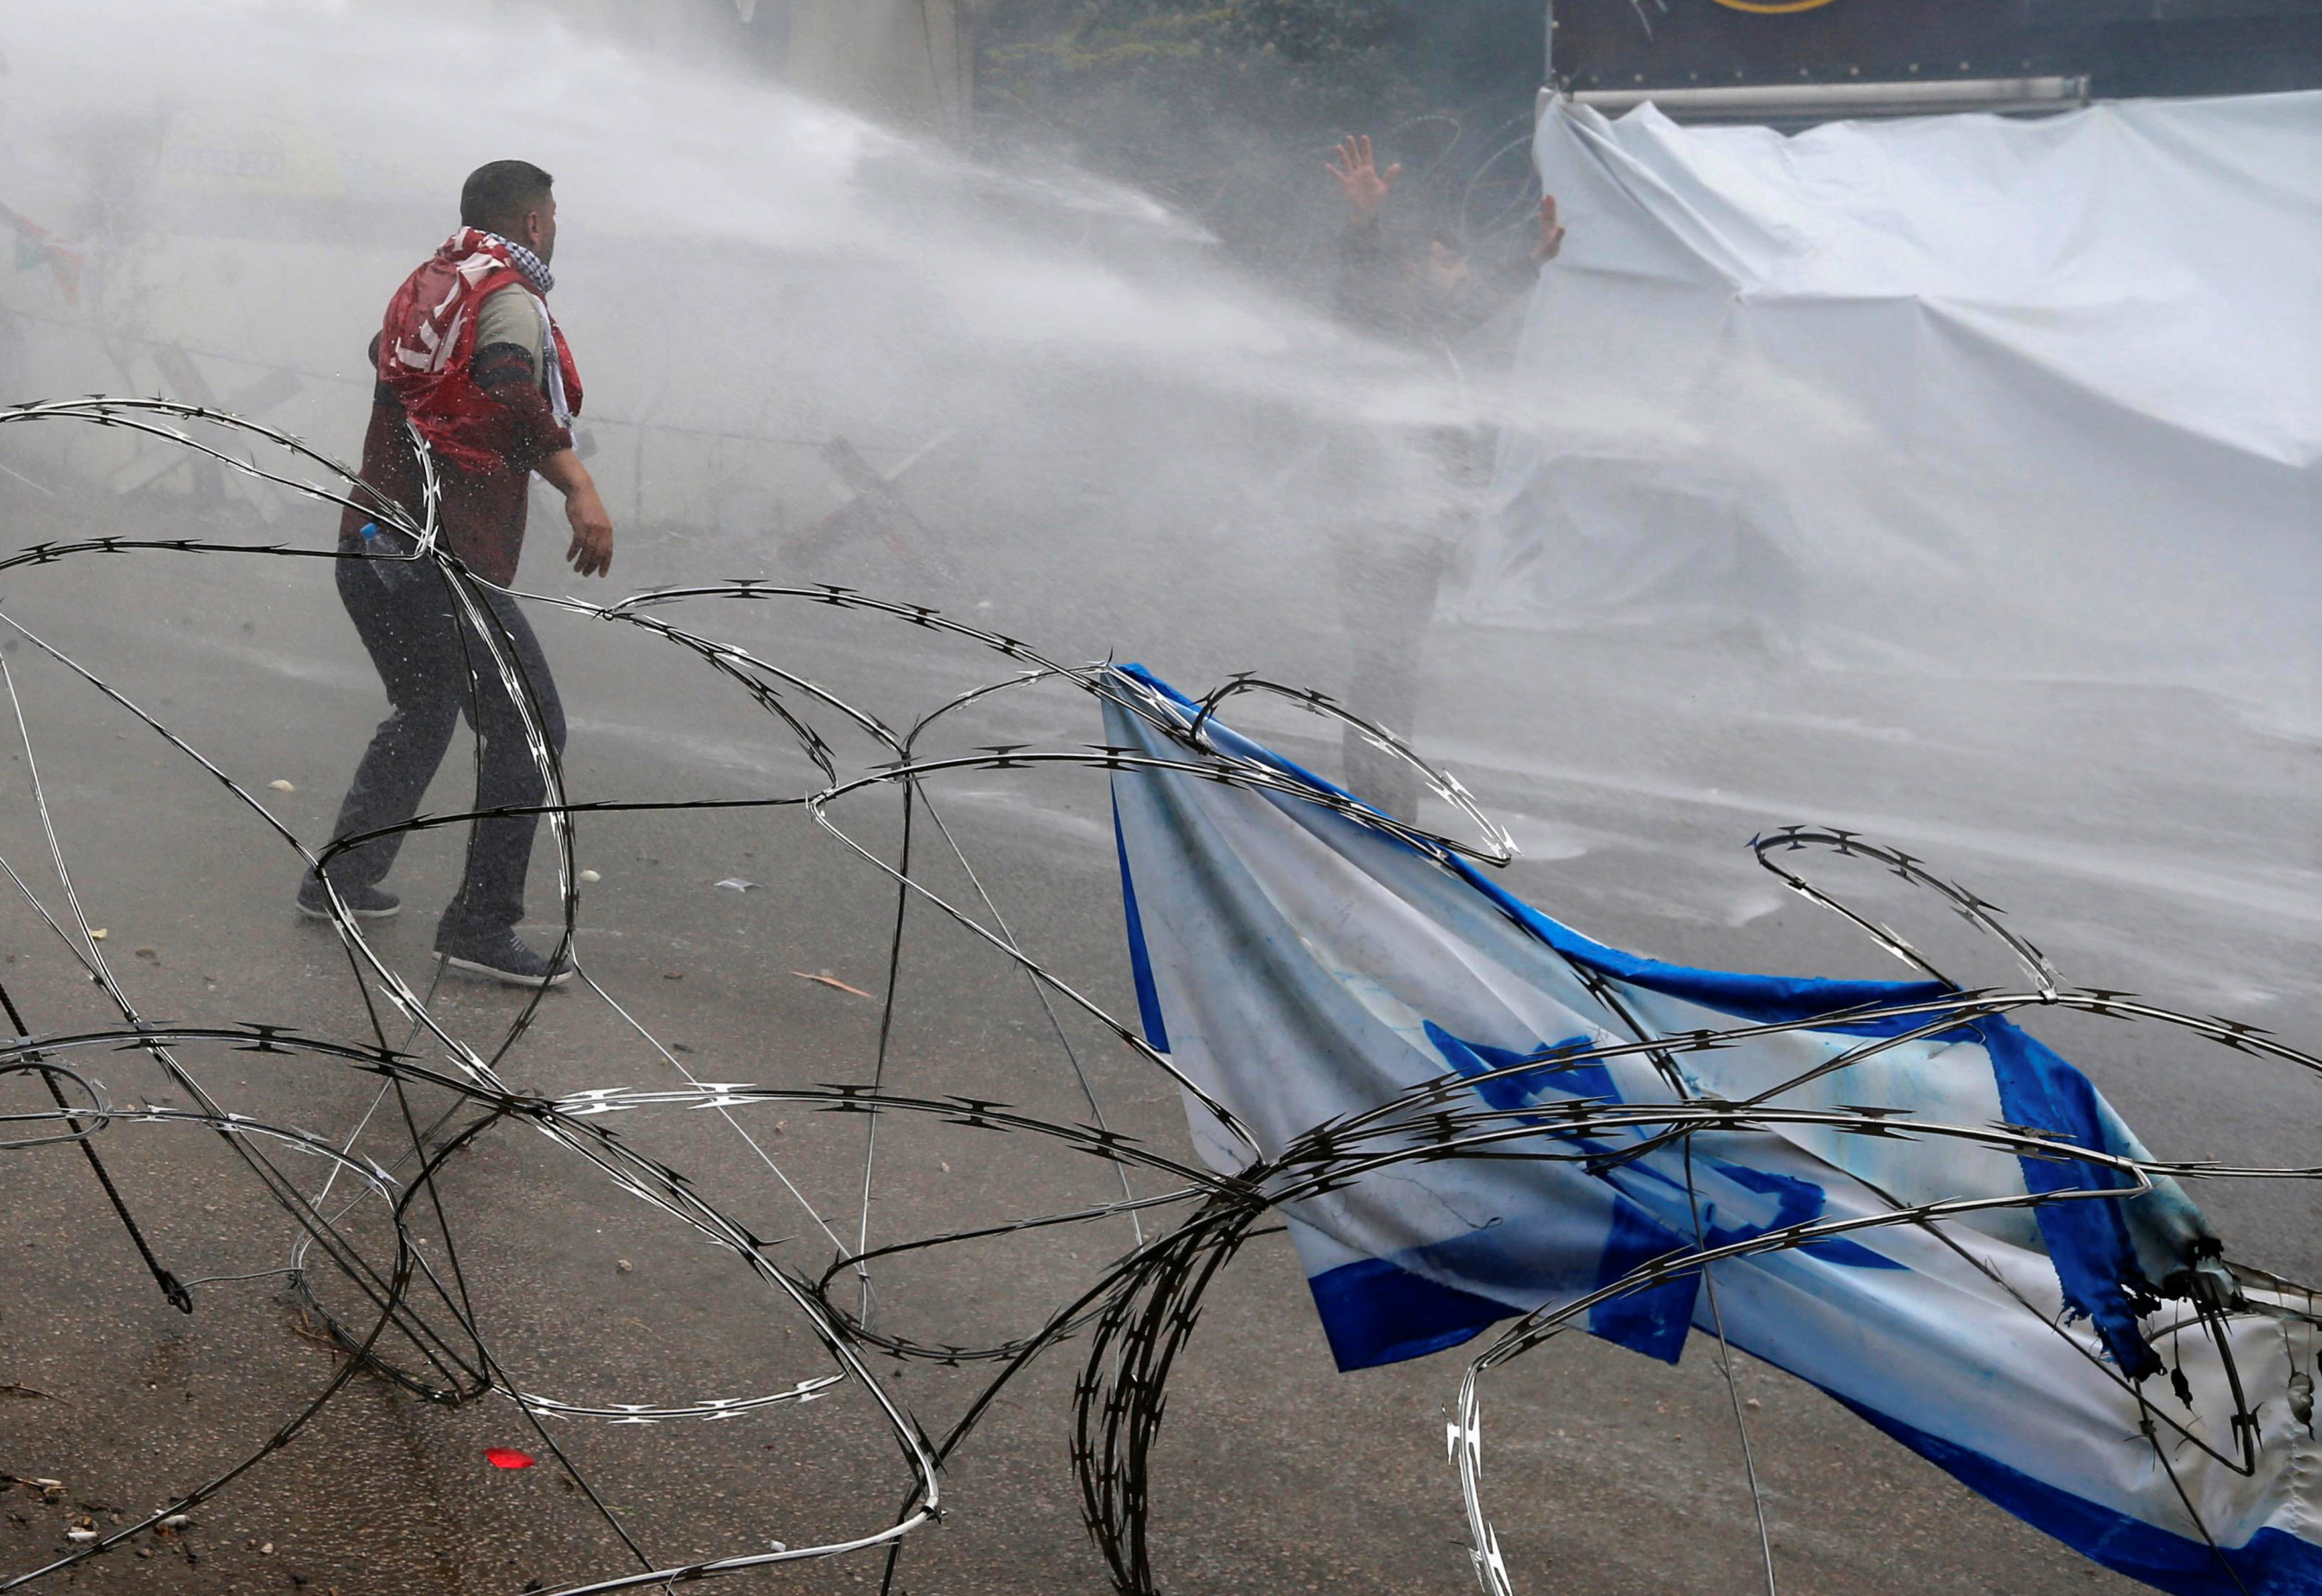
x,y
2170,848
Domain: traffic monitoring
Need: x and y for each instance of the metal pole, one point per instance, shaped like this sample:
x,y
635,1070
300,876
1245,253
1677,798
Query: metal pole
x,y
1830,101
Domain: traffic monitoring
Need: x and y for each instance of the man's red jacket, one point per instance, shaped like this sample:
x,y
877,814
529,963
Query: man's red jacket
x,y
485,429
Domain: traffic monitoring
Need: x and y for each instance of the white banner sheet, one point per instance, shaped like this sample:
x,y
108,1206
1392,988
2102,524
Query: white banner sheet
x,y
1962,391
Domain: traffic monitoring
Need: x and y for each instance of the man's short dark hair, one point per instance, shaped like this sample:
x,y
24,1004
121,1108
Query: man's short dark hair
x,y
498,195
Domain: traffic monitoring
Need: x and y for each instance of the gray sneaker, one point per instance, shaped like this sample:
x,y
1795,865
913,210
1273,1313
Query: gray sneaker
x,y
501,956
366,903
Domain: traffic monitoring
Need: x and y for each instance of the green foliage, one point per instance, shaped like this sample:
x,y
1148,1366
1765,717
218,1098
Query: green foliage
x,y
1282,62
1226,107
1325,31
1101,42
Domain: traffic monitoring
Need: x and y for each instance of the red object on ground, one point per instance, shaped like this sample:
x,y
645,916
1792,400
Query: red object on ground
x,y
506,1457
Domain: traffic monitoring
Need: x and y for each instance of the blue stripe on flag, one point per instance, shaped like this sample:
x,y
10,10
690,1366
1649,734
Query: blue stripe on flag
x,y
2272,1561
1765,1000
1140,961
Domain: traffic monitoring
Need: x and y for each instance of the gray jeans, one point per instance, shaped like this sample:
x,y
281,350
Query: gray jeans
x,y
436,670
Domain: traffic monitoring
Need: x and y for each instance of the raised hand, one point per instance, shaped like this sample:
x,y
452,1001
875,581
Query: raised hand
x,y
1366,186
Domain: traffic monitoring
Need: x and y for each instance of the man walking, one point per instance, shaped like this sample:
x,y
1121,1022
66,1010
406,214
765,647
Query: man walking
x,y
469,357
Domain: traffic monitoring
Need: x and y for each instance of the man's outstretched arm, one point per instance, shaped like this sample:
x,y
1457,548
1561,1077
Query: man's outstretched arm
x,y
511,350
592,553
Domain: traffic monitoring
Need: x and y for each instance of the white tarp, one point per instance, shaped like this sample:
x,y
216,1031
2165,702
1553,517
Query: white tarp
x,y
2018,394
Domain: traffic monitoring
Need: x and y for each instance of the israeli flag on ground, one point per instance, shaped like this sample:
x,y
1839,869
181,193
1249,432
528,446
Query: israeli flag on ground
x,y
1301,966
